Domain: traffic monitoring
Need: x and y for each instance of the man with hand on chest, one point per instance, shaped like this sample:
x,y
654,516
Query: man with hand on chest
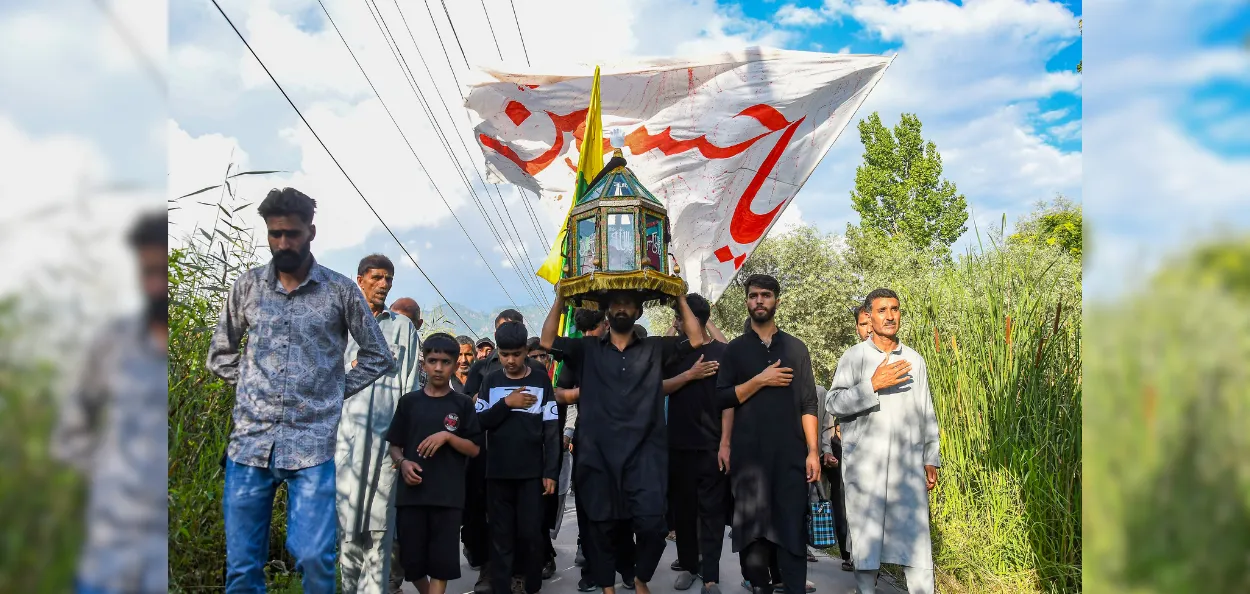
x,y
766,374
890,450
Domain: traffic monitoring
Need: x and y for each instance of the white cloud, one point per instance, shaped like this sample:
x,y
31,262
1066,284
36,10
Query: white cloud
x,y
1053,115
1159,189
924,18
973,74
1064,132
799,16
65,222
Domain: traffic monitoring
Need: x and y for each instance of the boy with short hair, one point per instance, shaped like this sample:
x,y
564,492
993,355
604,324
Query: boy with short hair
x,y
522,436
433,433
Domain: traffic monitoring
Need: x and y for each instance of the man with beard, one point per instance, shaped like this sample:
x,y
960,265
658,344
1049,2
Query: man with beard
x,y
290,387
767,375
485,346
463,362
622,463
590,322
362,467
891,453
476,535
113,429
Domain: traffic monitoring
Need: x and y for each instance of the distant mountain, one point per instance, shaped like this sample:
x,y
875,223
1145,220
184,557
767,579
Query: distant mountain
x,y
482,323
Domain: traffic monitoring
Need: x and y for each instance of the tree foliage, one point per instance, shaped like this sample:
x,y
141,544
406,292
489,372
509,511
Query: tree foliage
x,y
1056,223
899,190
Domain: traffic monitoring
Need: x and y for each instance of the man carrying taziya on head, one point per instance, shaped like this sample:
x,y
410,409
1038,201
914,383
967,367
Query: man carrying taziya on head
x,y
890,452
622,464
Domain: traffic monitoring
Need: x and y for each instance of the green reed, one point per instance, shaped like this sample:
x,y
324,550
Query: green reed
x,y
1000,330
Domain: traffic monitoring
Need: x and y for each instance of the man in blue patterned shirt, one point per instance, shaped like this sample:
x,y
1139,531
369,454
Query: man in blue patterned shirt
x,y
290,385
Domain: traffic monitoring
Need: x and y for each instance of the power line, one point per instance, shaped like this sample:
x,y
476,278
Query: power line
x,y
519,34
405,138
453,32
397,53
492,30
447,57
463,145
149,65
532,282
341,169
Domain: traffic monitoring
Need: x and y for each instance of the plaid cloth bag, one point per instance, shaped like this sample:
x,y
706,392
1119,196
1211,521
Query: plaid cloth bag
x,y
820,526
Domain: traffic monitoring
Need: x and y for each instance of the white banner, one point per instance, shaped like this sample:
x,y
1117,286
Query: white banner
x,y
725,141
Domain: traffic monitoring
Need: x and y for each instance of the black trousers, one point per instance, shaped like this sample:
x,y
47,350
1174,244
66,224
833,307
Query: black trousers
x,y
516,532
610,549
474,533
762,560
697,493
837,496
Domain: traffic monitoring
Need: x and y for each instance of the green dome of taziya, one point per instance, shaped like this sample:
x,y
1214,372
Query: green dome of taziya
x,y
618,184
617,240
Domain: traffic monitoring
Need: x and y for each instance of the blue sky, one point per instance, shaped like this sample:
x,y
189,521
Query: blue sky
x,y
992,80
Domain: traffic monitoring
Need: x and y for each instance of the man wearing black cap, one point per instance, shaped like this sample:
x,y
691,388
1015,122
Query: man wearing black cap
x,y
485,346
622,463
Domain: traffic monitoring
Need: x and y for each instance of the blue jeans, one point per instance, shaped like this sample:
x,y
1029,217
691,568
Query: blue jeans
x,y
312,525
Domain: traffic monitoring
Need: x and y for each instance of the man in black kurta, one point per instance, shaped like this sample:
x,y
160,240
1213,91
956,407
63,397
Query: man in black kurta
x,y
766,375
622,462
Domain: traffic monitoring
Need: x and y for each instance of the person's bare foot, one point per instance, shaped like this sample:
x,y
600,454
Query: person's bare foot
x,y
641,587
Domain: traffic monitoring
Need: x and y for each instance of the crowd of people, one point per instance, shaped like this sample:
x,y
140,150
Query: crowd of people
x,y
399,453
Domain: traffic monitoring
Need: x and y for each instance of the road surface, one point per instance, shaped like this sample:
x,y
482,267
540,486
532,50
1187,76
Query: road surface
x,y
826,572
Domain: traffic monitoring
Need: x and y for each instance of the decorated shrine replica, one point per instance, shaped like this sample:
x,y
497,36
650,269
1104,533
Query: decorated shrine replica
x,y
618,240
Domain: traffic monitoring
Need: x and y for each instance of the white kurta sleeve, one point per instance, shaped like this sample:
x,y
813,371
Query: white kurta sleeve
x,y
570,420
826,423
932,451
850,393
411,362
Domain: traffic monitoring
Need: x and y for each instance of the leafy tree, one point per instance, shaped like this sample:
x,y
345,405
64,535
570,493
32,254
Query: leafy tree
x,y
1057,223
899,190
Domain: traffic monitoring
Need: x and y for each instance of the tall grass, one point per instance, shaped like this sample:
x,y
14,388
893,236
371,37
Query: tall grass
x,y
1002,340
41,499
1167,449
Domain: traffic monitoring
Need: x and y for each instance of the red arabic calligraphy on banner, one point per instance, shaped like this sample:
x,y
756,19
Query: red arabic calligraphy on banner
x,y
746,226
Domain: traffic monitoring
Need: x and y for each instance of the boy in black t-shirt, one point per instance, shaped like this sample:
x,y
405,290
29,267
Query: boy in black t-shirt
x,y
522,437
430,498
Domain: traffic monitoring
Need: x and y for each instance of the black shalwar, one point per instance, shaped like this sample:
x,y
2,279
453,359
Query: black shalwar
x,y
622,462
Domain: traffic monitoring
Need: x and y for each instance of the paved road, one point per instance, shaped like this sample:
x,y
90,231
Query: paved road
x,y
826,573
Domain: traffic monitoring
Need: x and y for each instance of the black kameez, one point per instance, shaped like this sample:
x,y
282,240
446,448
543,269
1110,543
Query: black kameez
x,y
768,450
622,461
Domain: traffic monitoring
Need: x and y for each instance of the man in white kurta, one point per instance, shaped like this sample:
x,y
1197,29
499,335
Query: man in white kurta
x,y
890,456
363,473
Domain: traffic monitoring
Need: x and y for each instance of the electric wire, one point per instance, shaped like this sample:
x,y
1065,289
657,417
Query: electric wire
x,y
393,45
